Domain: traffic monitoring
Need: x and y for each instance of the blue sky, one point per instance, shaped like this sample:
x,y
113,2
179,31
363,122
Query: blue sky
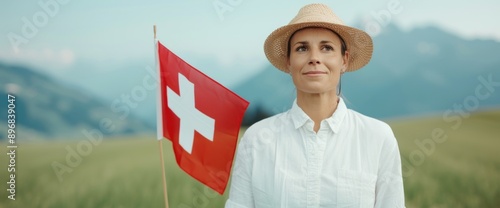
x,y
113,33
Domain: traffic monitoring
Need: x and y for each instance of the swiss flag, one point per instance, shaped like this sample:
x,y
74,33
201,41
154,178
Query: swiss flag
x,y
201,117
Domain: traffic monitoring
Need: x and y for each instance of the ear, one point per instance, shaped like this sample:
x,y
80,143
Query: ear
x,y
345,61
288,64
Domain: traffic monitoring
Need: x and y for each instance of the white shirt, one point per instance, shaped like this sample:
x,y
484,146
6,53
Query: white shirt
x,y
352,161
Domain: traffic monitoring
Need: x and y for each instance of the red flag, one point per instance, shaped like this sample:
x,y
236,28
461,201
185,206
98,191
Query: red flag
x,y
201,117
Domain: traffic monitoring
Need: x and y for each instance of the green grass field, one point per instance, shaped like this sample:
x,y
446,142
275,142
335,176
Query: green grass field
x,y
462,171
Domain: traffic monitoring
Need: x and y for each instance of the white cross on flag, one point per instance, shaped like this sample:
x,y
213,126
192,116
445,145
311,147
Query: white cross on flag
x,y
201,117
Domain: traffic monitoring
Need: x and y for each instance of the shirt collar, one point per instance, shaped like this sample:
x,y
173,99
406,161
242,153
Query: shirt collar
x,y
299,117
336,119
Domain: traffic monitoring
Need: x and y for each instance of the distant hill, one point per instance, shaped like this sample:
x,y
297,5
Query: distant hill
x,y
46,108
422,71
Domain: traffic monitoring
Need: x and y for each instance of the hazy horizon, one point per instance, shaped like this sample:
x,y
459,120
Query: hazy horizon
x,y
225,36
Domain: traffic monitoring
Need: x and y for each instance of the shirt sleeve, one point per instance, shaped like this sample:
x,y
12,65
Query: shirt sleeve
x,y
240,194
389,189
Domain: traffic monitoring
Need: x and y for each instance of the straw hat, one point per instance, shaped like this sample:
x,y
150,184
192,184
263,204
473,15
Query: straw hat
x,y
359,43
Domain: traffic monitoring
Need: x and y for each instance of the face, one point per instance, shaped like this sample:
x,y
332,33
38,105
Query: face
x,y
316,62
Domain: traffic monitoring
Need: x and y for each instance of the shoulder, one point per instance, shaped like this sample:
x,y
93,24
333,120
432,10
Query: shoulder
x,y
265,129
369,122
268,124
371,127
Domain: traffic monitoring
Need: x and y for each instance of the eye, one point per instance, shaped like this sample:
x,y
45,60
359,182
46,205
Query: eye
x,y
301,48
327,48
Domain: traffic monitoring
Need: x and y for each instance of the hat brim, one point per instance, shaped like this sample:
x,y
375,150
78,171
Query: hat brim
x,y
359,44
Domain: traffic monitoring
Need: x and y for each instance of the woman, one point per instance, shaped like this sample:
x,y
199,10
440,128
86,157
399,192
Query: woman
x,y
319,153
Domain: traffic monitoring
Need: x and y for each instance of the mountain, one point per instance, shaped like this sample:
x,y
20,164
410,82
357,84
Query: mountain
x,y
47,108
425,70
422,71
269,92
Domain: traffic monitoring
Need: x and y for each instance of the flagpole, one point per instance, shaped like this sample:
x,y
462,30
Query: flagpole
x,y
165,195
165,192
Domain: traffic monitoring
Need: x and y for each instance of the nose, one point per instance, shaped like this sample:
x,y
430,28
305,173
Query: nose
x,y
314,60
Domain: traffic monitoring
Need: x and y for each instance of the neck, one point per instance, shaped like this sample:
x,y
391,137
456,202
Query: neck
x,y
317,106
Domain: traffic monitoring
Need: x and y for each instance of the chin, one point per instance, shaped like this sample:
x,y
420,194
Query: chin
x,y
316,90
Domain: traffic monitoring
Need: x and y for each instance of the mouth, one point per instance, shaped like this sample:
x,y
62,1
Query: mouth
x,y
314,73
